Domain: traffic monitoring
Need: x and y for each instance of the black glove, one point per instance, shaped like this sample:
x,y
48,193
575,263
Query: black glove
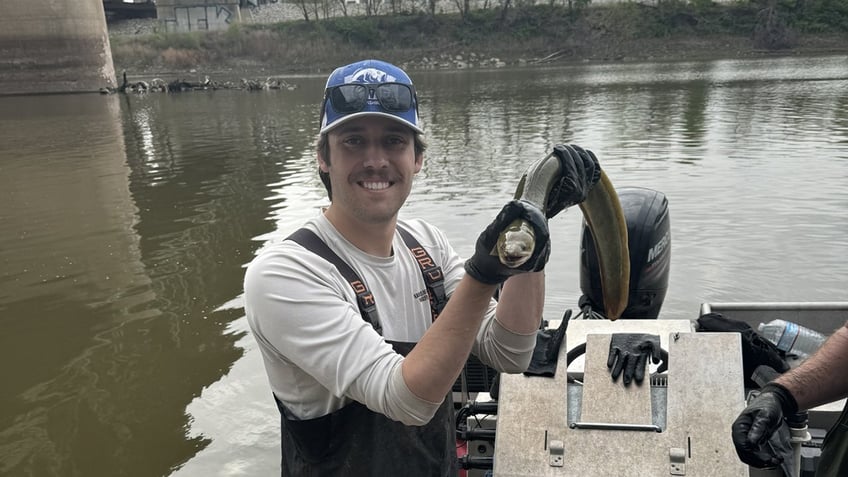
x,y
580,171
546,352
757,422
629,352
486,267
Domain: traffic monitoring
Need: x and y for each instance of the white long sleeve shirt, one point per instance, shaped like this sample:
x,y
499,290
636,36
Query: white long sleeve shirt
x,y
319,353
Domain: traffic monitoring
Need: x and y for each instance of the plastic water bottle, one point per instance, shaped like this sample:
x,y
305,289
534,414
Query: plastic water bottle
x,y
791,338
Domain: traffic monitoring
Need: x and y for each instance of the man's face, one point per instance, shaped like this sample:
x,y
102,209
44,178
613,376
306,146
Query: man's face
x,y
371,168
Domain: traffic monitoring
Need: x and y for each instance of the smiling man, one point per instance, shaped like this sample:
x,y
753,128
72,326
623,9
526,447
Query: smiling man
x,y
364,321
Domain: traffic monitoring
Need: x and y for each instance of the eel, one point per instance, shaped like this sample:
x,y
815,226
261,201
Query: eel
x,y
604,216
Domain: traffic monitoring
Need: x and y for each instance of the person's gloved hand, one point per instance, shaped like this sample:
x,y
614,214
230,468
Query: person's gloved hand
x,y
629,352
757,422
580,172
485,266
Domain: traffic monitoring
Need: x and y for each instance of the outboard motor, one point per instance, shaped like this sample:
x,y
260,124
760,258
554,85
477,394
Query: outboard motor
x,y
649,239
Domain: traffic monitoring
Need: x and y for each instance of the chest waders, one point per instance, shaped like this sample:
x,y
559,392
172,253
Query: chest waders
x,y
355,441
834,454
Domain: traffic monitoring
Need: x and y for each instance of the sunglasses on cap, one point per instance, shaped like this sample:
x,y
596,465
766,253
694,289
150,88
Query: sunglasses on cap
x,y
352,98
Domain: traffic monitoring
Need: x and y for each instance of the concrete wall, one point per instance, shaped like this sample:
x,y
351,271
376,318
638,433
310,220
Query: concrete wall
x,y
197,15
205,14
53,46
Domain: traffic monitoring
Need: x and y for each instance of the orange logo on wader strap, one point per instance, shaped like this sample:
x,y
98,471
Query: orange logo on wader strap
x,y
423,258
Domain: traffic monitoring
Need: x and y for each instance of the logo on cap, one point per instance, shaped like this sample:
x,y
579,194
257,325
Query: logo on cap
x,y
370,75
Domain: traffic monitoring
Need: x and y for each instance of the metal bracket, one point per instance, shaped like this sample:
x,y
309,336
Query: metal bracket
x,y
677,461
615,427
557,452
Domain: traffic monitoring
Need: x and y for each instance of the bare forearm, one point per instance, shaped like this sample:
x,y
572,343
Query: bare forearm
x,y
521,303
819,379
432,366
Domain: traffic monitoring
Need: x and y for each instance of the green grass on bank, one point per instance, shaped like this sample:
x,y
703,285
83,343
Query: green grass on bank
x,y
577,32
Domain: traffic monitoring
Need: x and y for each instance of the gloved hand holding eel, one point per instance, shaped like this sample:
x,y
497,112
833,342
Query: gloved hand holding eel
x,y
486,267
571,175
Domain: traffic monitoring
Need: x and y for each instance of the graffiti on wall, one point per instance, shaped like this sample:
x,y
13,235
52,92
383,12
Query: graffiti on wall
x,y
257,3
209,17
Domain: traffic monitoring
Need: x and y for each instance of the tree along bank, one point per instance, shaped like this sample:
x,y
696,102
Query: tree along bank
x,y
531,35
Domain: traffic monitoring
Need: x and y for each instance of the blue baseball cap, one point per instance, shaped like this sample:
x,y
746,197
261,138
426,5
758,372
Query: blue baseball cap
x,y
369,87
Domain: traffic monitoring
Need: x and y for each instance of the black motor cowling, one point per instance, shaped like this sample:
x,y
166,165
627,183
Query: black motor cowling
x,y
649,239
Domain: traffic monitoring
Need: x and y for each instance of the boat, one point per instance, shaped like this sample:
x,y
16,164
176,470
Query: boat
x,y
579,422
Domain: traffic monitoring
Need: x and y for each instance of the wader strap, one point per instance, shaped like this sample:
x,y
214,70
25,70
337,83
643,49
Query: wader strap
x,y
364,299
434,279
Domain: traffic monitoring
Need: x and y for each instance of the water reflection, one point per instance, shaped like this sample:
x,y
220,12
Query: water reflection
x,y
72,278
126,221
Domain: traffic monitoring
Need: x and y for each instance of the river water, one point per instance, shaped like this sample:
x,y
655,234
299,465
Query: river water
x,y
126,223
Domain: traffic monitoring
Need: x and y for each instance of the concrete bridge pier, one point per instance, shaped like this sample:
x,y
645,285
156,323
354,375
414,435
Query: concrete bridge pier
x,y
54,46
